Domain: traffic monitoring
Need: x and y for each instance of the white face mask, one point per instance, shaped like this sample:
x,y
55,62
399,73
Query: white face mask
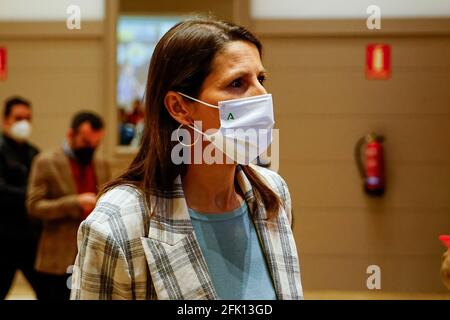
x,y
21,130
245,127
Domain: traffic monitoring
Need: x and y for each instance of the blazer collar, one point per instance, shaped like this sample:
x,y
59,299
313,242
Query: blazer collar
x,y
171,239
270,237
172,220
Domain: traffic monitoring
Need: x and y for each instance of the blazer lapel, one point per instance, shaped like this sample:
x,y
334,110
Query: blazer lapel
x,y
67,182
177,266
176,263
277,242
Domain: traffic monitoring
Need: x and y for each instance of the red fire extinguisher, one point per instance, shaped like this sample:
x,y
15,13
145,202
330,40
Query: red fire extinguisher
x,y
371,168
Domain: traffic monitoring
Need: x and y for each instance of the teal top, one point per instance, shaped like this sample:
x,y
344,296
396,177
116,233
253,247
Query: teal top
x,y
233,254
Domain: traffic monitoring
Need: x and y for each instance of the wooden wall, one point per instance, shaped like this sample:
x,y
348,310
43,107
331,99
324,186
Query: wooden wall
x,y
59,71
323,105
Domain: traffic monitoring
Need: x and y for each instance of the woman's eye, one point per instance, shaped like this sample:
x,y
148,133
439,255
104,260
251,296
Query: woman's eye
x,y
236,83
262,79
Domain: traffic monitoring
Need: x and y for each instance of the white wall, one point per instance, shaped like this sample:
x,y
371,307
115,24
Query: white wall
x,y
49,10
304,9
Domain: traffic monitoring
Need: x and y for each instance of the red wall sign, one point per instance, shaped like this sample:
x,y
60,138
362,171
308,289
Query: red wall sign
x,y
378,61
3,69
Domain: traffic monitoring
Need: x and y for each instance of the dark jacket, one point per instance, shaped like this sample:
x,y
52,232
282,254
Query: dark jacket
x,y
15,164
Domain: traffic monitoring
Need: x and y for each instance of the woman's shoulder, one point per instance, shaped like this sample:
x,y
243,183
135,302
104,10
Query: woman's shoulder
x,y
120,207
121,195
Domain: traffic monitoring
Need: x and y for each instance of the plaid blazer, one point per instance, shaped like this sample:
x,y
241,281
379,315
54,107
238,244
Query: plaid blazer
x,y
123,254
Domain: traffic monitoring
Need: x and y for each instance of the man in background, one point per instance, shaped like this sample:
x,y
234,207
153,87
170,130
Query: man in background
x,y
18,234
62,192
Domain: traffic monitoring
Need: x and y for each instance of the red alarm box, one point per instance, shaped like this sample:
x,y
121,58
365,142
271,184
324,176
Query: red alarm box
x,y
378,61
445,240
3,69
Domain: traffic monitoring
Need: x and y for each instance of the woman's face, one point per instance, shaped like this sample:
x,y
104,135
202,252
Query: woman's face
x,y
236,72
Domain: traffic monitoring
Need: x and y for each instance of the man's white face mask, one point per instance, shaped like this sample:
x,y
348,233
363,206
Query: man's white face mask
x,y
21,130
245,127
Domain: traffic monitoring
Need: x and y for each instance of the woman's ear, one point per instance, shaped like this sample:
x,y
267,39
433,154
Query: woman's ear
x,y
177,108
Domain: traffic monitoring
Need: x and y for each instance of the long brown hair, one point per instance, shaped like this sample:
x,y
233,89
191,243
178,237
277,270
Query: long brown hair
x,y
181,61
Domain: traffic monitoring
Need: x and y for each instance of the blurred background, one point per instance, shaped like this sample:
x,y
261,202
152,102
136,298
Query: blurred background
x,y
335,78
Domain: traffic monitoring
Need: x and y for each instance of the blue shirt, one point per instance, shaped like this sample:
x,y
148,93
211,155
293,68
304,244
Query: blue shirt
x,y
233,254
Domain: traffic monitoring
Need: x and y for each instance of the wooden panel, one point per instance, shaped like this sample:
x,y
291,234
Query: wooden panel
x,y
340,272
319,54
373,295
350,27
412,139
338,185
323,105
50,30
413,274
327,77
343,92
54,55
350,231
59,77
330,92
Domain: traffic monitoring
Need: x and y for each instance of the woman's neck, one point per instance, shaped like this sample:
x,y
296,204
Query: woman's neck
x,y
211,188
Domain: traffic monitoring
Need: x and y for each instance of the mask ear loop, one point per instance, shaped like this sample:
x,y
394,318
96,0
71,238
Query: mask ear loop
x,y
183,144
199,101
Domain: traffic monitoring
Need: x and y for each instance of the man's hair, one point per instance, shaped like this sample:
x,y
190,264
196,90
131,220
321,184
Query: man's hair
x,y
86,116
14,101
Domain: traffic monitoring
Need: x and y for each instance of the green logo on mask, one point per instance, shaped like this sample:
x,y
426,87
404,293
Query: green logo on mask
x,y
230,116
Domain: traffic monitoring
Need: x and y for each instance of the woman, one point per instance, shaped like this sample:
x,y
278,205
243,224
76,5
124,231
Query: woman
x,y
171,230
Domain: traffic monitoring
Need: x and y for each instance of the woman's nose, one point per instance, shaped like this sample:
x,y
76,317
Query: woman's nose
x,y
257,89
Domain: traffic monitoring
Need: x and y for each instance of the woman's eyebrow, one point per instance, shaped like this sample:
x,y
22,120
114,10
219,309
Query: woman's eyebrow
x,y
242,72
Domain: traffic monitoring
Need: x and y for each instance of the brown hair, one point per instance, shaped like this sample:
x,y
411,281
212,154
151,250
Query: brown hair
x,y
181,61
